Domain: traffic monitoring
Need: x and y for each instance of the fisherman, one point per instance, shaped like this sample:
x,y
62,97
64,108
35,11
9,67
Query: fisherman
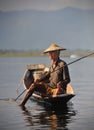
x,y
58,76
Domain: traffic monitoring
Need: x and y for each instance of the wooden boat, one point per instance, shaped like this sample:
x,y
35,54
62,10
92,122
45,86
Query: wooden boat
x,y
56,99
37,71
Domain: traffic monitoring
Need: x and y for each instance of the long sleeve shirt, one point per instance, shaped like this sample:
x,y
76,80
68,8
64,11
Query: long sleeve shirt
x,y
59,73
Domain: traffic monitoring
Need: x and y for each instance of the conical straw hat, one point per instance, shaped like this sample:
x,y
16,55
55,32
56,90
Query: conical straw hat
x,y
53,47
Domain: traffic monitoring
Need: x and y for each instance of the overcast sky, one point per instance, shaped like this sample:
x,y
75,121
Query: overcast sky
x,y
45,5
75,28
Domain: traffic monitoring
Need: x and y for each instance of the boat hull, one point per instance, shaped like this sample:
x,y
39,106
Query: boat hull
x,y
54,101
59,99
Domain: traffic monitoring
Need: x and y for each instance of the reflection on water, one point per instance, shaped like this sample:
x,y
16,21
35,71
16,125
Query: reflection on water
x,y
49,117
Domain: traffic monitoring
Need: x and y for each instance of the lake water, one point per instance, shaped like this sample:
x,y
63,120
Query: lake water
x,y
78,114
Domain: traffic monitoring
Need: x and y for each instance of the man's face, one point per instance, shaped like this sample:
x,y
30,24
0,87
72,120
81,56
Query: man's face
x,y
54,55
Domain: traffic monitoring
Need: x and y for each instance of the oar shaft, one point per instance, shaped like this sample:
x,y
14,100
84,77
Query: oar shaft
x,y
20,94
81,58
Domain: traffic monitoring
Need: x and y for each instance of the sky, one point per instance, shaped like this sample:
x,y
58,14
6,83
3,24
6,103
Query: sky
x,y
73,33
45,5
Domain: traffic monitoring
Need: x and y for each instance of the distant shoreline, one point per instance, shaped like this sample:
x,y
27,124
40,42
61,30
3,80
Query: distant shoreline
x,y
19,55
42,55
38,53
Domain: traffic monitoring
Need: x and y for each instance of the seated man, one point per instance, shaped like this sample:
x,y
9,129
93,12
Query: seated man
x,y
58,76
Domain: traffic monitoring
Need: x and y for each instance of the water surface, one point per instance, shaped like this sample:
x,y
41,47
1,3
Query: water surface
x,y
78,114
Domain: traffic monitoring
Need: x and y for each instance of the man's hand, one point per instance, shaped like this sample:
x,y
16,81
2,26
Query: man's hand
x,y
59,85
35,81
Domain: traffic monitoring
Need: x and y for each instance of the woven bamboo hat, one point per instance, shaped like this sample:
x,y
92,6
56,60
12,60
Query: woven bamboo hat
x,y
53,47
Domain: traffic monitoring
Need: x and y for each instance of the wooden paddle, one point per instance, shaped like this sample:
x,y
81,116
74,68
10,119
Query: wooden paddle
x,y
81,58
20,94
59,68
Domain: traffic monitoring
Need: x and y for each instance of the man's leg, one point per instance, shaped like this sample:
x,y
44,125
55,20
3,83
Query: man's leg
x,y
40,87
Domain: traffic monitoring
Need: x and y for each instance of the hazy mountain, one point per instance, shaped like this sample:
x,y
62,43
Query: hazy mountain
x,y
30,29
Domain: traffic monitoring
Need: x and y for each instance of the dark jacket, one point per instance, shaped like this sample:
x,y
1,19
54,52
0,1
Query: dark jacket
x,y
59,73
